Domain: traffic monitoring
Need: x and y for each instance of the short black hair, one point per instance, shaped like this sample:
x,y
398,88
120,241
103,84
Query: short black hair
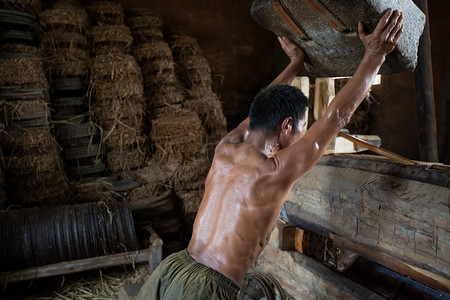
x,y
274,104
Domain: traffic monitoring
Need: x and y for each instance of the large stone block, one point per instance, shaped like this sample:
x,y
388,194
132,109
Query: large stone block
x,y
327,30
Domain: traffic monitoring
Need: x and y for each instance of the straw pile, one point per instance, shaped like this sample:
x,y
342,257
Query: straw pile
x,y
195,74
111,39
177,136
106,13
33,166
66,59
66,47
92,190
30,6
118,107
22,70
146,27
3,196
67,18
189,183
19,48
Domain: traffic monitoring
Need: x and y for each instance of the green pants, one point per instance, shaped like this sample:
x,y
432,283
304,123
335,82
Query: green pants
x,y
179,276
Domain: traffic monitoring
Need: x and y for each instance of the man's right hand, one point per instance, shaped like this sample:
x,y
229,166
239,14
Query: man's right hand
x,y
385,36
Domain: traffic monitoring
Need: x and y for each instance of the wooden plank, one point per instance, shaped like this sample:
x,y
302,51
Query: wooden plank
x,y
406,219
302,82
75,266
343,145
301,240
302,277
430,279
381,165
282,236
324,93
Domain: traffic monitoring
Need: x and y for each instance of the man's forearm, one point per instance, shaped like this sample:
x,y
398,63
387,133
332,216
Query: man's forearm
x,y
354,92
289,73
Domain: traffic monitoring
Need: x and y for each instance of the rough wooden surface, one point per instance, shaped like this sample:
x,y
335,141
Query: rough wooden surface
x,y
304,278
406,219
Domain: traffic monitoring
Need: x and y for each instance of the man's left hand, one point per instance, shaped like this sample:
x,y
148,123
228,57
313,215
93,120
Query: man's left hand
x,y
294,52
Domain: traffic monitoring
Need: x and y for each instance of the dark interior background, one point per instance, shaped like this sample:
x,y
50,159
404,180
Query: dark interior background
x,y
245,57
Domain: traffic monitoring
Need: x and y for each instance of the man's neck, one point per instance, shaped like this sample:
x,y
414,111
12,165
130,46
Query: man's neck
x,y
266,143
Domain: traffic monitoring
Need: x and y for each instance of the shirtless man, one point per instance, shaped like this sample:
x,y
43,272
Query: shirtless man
x,y
253,170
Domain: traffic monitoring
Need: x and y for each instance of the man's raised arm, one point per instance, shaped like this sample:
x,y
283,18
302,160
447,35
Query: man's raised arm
x,y
300,157
296,56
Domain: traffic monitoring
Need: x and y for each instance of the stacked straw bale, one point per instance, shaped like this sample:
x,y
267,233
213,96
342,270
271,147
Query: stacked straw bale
x,y
118,107
33,166
195,74
109,34
162,207
67,56
3,196
29,6
163,92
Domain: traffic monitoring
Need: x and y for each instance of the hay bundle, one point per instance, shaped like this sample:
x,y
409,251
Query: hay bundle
x,y
126,112
60,66
158,67
125,161
117,90
19,48
111,39
64,39
147,35
194,72
111,34
67,4
165,95
27,141
106,12
22,70
159,112
55,193
92,190
211,114
15,111
65,18
144,21
31,6
177,136
192,175
115,68
156,50
68,53
122,137
191,200
184,47
34,163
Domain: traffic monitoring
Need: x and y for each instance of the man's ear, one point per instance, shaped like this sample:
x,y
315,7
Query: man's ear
x,y
286,126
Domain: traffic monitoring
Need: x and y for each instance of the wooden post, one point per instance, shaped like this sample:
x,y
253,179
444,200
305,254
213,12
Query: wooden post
x,y
155,254
324,93
303,84
423,86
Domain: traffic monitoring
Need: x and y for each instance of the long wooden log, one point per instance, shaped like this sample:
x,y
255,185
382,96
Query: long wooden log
x,y
305,278
75,266
404,218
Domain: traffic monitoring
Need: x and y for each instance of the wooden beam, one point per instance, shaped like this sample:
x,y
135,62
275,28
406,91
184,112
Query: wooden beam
x,y
302,82
403,218
430,279
324,93
302,277
424,93
75,266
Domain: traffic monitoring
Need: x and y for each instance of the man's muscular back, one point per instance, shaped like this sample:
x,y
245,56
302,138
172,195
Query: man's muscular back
x,y
241,204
